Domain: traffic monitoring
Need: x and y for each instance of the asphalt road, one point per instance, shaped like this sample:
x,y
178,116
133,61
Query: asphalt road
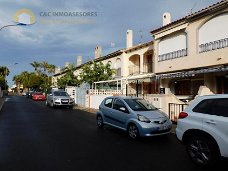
x,y
34,137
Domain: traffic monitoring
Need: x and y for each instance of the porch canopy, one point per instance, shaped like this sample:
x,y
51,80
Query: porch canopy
x,y
191,73
119,83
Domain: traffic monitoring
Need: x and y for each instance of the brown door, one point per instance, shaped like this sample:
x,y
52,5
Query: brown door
x,y
222,85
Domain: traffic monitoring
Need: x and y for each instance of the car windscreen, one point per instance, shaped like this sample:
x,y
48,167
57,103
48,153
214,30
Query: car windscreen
x,y
60,93
139,105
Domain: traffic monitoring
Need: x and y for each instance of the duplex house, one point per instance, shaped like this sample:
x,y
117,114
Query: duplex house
x,y
191,53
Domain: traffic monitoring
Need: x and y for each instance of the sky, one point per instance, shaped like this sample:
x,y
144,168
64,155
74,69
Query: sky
x,y
60,39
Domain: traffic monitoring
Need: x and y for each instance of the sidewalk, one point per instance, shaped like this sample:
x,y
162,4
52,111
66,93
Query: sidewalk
x,y
2,100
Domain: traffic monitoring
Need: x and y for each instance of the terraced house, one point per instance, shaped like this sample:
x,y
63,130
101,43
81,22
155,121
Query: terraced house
x,y
191,54
186,57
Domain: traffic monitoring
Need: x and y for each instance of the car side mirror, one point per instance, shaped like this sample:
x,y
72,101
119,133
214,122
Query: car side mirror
x,y
50,94
123,109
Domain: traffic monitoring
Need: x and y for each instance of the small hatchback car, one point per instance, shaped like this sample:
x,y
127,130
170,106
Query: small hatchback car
x,y
133,115
203,128
38,96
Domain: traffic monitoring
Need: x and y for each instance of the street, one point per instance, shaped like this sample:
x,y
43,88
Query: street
x,y
34,137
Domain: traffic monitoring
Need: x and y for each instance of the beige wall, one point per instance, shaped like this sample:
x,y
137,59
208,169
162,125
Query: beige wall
x,y
194,59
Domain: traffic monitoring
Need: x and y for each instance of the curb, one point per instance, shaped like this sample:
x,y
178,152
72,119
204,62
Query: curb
x,y
2,100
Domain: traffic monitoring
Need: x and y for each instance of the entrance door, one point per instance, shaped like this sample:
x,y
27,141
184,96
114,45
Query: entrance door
x,y
222,85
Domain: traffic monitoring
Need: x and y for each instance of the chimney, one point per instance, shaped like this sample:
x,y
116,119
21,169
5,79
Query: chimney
x,y
57,70
98,51
67,64
129,38
79,60
166,18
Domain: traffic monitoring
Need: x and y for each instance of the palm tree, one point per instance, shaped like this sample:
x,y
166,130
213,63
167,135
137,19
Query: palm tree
x,y
35,65
44,65
51,69
4,71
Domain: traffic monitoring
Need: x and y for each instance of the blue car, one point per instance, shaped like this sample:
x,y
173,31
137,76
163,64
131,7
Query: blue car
x,y
133,115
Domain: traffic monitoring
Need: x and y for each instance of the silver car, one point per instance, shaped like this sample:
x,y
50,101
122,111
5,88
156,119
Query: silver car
x,y
59,98
133,115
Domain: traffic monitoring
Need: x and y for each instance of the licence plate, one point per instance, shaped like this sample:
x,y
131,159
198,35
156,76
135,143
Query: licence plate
x,y
163,127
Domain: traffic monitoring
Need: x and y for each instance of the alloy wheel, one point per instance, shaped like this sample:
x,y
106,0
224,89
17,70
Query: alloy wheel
x,y
201,151
133,131
100,123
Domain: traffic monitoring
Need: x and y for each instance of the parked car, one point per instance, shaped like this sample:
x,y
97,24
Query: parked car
x,y
38,96
203,128
23,94
29,94
59,98
133,115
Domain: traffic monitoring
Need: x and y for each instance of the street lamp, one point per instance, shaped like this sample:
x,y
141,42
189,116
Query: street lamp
x,y
9,25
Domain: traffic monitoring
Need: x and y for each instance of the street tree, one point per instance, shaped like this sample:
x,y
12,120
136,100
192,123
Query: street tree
x,y
69,79
96,71
4,72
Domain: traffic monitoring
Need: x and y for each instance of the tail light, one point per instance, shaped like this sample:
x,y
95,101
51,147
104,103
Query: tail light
x,y
182,115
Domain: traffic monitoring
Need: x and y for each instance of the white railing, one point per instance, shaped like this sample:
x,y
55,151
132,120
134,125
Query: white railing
x,y
172,55
218,44
103,91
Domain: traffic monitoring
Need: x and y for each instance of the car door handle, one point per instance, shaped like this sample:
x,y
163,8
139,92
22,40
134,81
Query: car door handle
x,y
211,122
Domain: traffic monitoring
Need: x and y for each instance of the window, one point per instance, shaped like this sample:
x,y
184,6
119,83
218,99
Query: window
x,y
221,107
108,103
205,106
139,105
118,104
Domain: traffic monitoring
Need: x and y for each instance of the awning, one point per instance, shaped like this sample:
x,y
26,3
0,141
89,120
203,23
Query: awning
x,y
192,72
141,76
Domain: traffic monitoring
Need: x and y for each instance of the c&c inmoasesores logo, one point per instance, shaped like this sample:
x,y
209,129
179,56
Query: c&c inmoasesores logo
x,y
24,16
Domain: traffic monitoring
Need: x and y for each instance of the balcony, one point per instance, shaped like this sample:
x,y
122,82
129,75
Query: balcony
x,y
219,44
134,69
147,67
172,55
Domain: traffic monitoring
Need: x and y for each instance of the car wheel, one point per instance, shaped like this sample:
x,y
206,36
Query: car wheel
x,y
133,131
100,122
52,104
202,151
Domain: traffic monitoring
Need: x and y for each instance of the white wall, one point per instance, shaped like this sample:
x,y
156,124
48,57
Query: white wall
x,y
93,101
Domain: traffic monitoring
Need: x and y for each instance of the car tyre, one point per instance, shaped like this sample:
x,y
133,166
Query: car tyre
x,y
202,151
52,104
133,131
100,122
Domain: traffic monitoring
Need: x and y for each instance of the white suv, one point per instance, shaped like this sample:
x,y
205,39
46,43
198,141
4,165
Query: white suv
x,y
203,128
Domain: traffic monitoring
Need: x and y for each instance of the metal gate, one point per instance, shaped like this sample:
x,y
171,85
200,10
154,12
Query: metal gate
x,y
175,109
81,92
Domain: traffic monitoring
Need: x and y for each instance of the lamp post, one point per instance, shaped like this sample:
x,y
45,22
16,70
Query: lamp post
x,y
9,25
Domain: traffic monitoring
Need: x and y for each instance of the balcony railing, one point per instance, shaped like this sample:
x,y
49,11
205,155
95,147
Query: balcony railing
x,y
172,55
218,44
134,69
147,67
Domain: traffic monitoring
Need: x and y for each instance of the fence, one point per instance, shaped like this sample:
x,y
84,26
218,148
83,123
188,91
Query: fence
x,y
174,110
81,92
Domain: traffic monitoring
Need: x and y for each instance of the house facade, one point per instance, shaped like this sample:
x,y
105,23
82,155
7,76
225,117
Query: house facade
x,y
191,54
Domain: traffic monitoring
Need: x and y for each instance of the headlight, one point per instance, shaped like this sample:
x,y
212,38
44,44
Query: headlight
x,y
143,119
